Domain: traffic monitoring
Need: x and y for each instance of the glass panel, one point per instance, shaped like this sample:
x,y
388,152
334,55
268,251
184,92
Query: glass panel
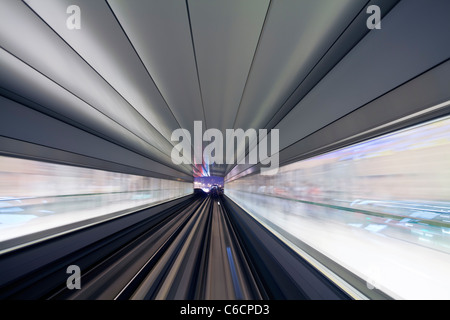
x,y
36,196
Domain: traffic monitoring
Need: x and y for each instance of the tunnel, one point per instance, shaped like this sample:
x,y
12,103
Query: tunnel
x,y
226,150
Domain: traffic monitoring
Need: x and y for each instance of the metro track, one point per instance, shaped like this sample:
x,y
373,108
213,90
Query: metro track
x,y
199,248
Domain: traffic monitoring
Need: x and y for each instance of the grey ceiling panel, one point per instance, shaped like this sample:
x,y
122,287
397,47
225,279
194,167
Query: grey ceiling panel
x,y
411,41
347,40
159,31
24,34
295,36
29,84
103,45
225,36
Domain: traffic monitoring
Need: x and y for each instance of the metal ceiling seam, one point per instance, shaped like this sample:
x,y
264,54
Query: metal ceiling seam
x,y
145,68
107,82
196,62
226,35
317,63
253,60
226,170
197,72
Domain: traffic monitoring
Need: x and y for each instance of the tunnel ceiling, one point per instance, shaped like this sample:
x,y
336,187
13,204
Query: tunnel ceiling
x,y
137,70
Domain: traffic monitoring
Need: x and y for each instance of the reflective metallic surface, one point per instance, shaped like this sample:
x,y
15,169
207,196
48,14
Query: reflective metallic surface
x,y
360,206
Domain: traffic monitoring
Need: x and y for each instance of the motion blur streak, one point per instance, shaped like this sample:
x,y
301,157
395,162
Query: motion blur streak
x,y
380,208
37,196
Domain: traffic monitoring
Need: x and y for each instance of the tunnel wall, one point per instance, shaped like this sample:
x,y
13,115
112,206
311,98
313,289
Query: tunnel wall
x,y
379,208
